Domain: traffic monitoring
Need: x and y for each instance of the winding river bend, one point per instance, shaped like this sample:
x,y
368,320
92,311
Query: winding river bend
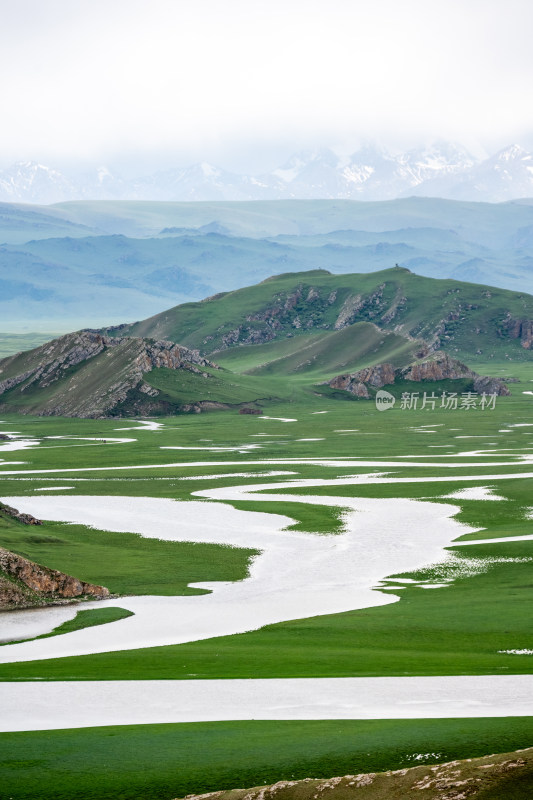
x,y
296,575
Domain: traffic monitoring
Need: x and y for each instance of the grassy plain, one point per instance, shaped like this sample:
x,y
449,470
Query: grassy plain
x,y
159,762
457,629
124,562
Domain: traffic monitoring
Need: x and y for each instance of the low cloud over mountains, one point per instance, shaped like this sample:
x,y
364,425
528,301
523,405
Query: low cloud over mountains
x,y
371,173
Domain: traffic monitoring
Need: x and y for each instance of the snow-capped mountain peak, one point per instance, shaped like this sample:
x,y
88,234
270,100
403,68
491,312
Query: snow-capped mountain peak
x,y
513,153
441,169
30,182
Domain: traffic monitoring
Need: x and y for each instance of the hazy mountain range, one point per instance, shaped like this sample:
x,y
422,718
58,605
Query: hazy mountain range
x,y
441,170
89,264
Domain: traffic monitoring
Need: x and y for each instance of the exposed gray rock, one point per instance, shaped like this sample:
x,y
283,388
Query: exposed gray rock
x,y
9,383
24,584
357,382
355,304
94,373
348,311
483,383
519,329
439,366
14,513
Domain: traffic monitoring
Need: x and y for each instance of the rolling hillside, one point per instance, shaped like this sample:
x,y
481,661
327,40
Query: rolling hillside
x,y
463,319
317,356
282,339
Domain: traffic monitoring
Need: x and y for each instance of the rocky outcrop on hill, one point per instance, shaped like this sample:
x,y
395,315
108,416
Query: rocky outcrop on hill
x,y
245,334
348,383
440,366
302,308
518,329
357,382
350,308
87,374
436,367
23,584
307,308
14,513
52,360
170,355
395,308
354,305
483,383
376,376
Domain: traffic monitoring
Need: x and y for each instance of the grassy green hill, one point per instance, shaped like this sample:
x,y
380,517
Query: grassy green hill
x,y
317,356
273,341
86,375
464,319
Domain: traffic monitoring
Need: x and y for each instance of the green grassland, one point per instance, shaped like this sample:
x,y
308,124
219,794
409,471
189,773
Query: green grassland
x,y
379,434
395,639
222,387
158,762
125,563
454,630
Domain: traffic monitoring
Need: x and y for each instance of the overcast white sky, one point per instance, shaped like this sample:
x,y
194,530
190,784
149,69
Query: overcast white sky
x,y
244,83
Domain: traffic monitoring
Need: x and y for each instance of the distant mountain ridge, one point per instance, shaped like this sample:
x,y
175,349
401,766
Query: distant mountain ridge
x,y
371,173
94,264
